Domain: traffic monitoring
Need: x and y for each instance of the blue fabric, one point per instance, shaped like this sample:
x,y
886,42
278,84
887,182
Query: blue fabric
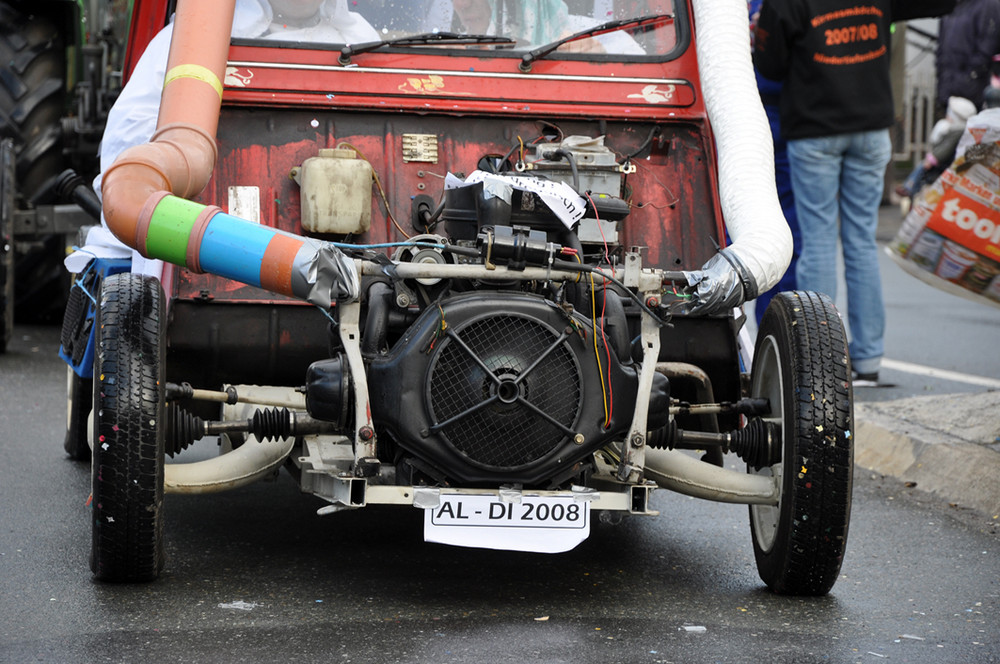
x,y
770,93
105,267
843,175
914,180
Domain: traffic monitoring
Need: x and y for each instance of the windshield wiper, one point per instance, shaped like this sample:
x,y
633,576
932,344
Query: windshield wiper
x,y
423,40
610,26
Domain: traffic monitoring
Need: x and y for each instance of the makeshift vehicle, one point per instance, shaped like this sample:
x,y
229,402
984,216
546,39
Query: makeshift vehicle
x,y
468,274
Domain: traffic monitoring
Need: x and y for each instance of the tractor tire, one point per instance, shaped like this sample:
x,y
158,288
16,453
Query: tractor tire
x,y
6,242
129,430
33,98
801,366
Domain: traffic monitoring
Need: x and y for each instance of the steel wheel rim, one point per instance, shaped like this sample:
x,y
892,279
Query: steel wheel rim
x,y
769,383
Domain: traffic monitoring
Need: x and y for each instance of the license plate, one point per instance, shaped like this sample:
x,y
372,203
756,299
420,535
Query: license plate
x,y
543,524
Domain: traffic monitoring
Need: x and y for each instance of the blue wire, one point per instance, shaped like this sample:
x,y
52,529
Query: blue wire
x,y
385,245
78,282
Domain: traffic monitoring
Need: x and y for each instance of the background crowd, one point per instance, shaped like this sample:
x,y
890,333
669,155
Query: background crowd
x,y
824,78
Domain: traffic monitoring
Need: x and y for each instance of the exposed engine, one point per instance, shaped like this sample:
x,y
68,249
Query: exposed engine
x,y
479,381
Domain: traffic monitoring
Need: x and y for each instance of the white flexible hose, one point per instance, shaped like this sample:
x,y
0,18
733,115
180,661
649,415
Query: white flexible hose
x,y
757,226
676,471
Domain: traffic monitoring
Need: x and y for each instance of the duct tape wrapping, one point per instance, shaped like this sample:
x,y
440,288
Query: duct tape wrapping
x,y
723,283
762,244
331,277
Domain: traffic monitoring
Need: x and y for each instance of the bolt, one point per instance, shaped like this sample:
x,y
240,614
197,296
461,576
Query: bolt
x,y
578,439
637,440
652,301
366,433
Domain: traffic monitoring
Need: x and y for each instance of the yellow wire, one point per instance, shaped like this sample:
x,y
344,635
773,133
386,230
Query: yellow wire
x,y
597,352
381,191
578,274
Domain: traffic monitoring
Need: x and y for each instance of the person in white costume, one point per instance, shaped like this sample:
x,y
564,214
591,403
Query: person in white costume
x,y
132,119
535,23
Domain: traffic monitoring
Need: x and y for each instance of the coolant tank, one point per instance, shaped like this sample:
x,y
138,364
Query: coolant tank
x,y
335,189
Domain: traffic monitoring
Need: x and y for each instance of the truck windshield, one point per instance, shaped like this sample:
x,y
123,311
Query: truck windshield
x,y
518,26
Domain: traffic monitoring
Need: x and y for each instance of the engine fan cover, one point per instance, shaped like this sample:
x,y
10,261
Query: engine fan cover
x,y
505,390
500,387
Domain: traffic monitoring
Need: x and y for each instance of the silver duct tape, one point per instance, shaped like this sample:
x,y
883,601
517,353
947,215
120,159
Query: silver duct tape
x,y
323,274
721,284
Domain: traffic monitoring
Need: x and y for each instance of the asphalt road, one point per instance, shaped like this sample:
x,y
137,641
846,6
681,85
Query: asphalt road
x,y
255,575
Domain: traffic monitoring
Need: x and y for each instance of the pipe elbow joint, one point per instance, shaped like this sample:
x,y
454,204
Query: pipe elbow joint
x,y
191,159
125,188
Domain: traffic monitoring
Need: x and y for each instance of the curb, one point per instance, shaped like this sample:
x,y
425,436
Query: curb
x,y
944,444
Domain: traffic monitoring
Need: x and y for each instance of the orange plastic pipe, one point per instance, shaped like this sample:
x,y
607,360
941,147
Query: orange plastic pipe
x,y
181,155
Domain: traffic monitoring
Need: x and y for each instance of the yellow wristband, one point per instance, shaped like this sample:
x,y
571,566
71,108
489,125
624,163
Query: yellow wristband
x,y
196,72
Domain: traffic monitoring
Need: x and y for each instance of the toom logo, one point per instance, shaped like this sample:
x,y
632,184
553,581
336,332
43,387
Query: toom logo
x,y
968,222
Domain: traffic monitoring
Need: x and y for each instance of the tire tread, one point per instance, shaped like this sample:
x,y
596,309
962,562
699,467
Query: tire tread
x,y
128,441
810,548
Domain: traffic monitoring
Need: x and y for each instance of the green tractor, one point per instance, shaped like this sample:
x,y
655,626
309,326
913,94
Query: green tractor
x,y
61,72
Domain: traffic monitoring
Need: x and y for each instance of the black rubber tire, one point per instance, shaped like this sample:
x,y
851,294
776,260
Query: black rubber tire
x,y
79,399
6,242
129,430
73,343
32,103
801,365
32,95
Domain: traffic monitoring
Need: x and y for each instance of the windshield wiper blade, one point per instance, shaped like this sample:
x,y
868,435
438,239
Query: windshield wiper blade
x,y
424,39
610,26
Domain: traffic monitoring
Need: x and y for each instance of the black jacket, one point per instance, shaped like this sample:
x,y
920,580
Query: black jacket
x,y
833,57
968,39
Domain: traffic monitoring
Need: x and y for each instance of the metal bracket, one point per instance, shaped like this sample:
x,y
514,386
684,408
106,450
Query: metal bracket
x,y
46,219
634,448
364,429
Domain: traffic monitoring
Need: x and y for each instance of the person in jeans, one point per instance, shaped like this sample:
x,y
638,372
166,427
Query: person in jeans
x,y
832,57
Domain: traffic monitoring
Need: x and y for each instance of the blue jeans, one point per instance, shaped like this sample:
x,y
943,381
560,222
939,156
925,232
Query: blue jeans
x,y
842,177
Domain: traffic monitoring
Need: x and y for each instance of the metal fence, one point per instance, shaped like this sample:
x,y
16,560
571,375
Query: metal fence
x,y
918,116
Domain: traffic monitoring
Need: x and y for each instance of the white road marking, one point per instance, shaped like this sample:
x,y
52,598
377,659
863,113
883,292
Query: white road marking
x,y
931,372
